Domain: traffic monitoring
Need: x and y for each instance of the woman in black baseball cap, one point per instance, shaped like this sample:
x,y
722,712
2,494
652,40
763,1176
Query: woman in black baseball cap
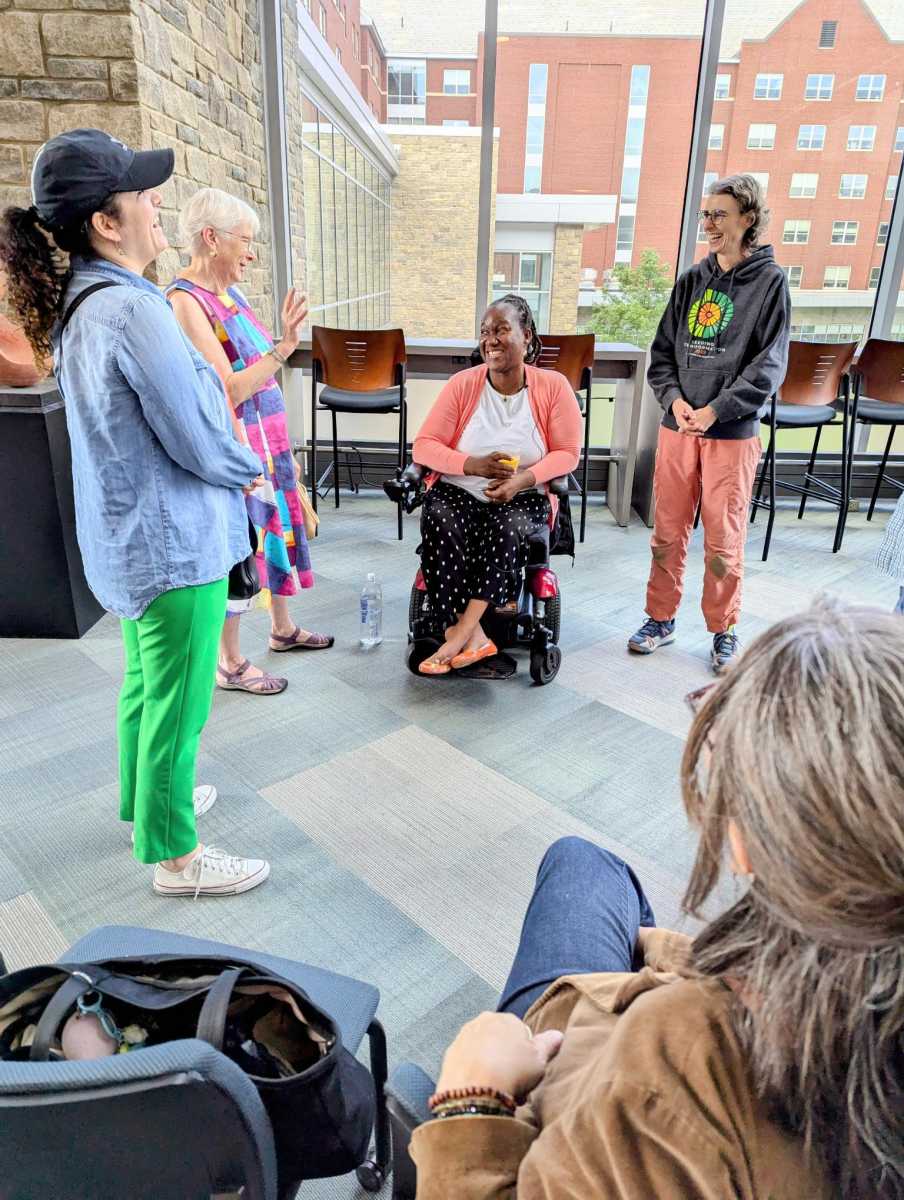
x,y
158,476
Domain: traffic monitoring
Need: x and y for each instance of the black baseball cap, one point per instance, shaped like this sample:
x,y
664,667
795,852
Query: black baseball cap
x,y
75,173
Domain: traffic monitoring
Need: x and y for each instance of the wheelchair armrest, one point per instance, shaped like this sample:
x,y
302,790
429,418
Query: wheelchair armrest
x,y
407,488
407,1092
559,486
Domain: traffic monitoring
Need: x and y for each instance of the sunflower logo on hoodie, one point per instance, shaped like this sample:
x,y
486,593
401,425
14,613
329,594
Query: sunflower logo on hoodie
x,y
710,314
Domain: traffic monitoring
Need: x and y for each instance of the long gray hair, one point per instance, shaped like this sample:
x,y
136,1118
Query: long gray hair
x,y
802,748
751,199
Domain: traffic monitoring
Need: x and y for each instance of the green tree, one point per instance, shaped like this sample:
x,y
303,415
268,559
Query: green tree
x,y
633,301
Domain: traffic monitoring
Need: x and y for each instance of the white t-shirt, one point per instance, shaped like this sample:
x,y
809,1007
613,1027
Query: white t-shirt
x,y
503,423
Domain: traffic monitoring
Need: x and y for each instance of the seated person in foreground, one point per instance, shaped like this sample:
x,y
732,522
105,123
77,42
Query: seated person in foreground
x,y
495,436
763,1060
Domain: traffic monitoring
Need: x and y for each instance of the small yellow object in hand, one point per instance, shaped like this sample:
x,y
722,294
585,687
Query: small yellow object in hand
x,y
511,460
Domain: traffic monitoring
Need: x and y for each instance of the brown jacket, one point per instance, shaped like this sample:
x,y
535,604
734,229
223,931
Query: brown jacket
x,y
648,1099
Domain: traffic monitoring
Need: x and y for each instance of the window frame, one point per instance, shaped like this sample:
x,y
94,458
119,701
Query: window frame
x,y
456,90
792,195
858,149
853,194
811,149
794,267
716,130
844,273
717,93
769,76
761,125
841,230
820,75
801,225
869,99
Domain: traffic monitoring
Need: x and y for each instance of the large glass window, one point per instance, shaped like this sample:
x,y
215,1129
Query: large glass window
x,y
811,137
760,137
456,82
527,274
819,87
803,184
406,92
768,87
861,137
537,80
852,187
870,87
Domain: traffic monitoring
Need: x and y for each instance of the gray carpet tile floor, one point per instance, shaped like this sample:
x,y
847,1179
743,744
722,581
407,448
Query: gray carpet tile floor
x,y
404,817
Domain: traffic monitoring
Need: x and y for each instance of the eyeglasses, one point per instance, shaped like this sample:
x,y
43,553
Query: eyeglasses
x,y
249,242
717,216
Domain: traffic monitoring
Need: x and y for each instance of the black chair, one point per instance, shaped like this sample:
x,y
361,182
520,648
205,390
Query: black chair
x,y
880,369
122,1126
815,391
363,371
572,356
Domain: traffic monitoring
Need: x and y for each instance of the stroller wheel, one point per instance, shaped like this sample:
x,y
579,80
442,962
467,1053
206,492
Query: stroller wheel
x,y
544,664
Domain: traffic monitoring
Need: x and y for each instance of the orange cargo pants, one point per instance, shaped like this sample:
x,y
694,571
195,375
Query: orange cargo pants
x,y
722,471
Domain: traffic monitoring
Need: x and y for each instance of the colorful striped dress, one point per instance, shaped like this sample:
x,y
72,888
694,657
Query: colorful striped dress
x,y
283,557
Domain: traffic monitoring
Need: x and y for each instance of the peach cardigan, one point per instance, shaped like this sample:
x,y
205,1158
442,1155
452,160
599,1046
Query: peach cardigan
x,y
552,402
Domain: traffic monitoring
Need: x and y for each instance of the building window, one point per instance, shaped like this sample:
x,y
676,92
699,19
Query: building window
x,y
899,139
768,87
456,82
882,234
852,187
803,185
760,137
723,87
811,137
356,43
322,21
873,277
819,87
536,84
455,122
861,137
870,87
837,277
638,93
538,76
827,33
795,276
527,274
716,137
844,233
762,178
796,231
339,56
406,91
890,185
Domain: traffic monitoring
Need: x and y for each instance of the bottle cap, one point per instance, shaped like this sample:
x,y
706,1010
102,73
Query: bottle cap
x,y
371,577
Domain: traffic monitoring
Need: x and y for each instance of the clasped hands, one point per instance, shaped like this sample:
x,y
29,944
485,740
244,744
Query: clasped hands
x,y
692,421
505,483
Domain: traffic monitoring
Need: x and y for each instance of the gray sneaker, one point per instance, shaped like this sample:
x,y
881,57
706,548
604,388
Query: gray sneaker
x,y
726,648
651,635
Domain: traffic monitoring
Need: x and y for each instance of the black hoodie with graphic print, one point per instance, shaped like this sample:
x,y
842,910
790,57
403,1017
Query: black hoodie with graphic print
x,y
723,341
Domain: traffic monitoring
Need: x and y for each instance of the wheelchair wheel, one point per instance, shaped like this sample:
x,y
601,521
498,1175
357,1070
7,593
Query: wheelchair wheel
x,y
416,605
544,664
419,649
554,618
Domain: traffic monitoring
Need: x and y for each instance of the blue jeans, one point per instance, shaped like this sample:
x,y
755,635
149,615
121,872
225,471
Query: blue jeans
x,y
583,917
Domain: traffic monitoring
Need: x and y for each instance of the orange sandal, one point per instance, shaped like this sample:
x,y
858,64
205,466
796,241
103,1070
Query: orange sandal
x,y
468,658
431,667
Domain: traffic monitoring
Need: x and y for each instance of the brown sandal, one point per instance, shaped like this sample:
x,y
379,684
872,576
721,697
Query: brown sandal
x,y
314,641
263,685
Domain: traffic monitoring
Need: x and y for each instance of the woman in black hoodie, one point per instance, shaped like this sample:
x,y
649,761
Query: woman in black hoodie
x,y
720,352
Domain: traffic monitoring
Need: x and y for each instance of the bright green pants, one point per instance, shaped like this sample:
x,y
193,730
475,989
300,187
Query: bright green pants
x,y
171,660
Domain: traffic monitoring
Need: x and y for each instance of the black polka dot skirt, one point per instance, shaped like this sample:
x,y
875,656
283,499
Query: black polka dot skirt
x,y
475,551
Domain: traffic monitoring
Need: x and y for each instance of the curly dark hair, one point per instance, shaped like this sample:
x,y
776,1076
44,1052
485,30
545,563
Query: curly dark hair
x,y
526,321
36,259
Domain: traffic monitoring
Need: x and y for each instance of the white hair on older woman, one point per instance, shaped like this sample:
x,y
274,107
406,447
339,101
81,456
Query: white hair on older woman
x,y
211,208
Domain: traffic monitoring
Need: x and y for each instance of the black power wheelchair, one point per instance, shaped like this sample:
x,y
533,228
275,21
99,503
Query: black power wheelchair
x,y
534,621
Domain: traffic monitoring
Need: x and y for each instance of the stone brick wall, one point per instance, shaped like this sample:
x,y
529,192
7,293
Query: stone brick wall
x,y
566,279
434,232
63,63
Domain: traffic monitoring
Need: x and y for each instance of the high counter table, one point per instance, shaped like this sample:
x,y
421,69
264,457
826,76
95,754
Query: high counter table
x,y
438,358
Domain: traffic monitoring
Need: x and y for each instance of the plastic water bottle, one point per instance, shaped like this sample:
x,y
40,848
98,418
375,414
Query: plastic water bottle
x,y
371,613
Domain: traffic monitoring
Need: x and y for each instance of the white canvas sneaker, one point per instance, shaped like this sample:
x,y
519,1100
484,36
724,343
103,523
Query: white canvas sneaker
x,y
213,872
204,796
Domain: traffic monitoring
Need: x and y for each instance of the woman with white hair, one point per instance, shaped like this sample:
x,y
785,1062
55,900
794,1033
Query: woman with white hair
x,y
220,230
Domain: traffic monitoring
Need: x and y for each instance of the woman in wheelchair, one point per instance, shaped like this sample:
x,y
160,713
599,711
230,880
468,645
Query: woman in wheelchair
x,y
496,435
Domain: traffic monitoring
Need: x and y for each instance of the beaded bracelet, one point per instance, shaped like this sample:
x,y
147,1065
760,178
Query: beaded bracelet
x,y
280,358
471,1110
491,1106
472,1093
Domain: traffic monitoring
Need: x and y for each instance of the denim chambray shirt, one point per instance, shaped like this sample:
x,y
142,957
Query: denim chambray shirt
x,y
157,472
